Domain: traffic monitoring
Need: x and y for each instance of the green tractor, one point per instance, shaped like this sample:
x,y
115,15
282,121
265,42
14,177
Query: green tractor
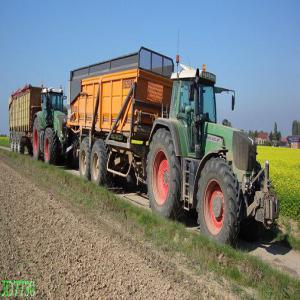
x,y
49,127
196,163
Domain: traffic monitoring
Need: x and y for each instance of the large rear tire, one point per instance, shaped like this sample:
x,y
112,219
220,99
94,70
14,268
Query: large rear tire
x,y
218,203
98,163
50,147
84,159
163,176
36,139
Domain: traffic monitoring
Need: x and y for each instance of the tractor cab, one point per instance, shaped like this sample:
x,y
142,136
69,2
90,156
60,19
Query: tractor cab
x,y
194,93
194,104
52,99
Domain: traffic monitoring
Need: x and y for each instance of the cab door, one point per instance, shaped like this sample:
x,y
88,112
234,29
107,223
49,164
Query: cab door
x,y
185,113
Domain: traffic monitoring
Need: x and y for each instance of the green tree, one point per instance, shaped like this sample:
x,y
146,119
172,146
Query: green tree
x,y
295,127
271,136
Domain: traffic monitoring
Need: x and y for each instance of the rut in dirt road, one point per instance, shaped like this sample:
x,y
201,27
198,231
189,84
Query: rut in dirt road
x,y
69,257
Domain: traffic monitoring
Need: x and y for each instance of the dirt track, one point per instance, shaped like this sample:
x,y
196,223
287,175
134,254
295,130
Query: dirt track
x,y
45,240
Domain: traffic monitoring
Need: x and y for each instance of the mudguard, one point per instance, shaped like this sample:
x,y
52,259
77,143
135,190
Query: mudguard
x,y
171,126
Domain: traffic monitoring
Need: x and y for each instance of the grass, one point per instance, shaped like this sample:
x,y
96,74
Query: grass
x,y
202,255
4,141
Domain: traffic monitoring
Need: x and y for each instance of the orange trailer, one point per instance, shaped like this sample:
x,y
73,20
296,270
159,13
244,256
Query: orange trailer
x,y
130,97
113,105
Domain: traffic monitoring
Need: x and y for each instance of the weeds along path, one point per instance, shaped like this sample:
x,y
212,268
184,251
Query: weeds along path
x,y
44,240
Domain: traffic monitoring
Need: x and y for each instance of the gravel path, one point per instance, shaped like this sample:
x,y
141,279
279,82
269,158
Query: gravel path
x,y
70,257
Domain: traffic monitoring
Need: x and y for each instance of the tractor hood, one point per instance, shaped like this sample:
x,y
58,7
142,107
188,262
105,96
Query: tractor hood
x,y
240,148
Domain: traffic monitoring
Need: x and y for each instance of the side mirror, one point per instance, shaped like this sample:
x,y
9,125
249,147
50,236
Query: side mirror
x,y
191,92
232,102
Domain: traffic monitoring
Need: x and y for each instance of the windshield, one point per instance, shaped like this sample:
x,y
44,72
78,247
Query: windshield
x,y
56,101
182,88
209,107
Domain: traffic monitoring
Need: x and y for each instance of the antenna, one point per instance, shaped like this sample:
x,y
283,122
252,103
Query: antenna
x,y
177,55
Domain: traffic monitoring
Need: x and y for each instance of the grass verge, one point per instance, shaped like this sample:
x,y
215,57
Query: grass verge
x,y
4,141
171,237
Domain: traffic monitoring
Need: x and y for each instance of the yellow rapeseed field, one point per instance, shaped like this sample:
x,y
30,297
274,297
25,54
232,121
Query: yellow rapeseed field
x,y
285,176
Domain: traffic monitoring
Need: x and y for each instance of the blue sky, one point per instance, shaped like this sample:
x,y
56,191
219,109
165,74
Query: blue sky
x,y
252,47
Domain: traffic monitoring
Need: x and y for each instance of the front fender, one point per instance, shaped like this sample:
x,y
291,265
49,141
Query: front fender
x,y
171,126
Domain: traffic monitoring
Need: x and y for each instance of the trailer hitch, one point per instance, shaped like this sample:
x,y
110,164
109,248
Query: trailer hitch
x,y
265,207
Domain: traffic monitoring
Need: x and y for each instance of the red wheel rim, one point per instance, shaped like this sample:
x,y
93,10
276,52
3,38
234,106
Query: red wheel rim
x,y
46,150
161,175
35,140
214,207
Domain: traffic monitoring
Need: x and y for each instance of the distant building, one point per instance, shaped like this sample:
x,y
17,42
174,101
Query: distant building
x,y
284,142
294,141
262,138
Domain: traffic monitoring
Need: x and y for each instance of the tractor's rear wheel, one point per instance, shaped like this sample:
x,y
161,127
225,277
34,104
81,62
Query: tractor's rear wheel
x,y
50,146
163,176
36,139
218,203
84,159
98,163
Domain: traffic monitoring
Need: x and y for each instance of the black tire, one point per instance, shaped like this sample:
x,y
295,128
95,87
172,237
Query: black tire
x,y
21,145
50,147
164,194
218,202
84,159
36,139
29,147
98,163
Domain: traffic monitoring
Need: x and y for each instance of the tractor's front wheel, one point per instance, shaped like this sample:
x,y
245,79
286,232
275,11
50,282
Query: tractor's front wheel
x,y
218,203
36,139
50,146
163,176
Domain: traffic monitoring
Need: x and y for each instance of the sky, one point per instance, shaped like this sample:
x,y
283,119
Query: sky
x,y
251,46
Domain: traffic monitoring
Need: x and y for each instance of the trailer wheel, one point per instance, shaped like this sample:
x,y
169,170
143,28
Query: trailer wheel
x,y
36,139
218,203
98,163
163,176
50,146
21,145
84,159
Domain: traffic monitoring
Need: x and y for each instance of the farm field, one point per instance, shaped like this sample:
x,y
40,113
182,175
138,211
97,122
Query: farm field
x,y
4,141
285,176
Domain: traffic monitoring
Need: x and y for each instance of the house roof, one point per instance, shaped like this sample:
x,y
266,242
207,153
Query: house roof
x,y
263,135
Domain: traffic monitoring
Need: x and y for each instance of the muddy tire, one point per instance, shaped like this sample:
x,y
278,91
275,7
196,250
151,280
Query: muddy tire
x,y
84,159
163,176
98,163
21,145
218,203
50,147
36,139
